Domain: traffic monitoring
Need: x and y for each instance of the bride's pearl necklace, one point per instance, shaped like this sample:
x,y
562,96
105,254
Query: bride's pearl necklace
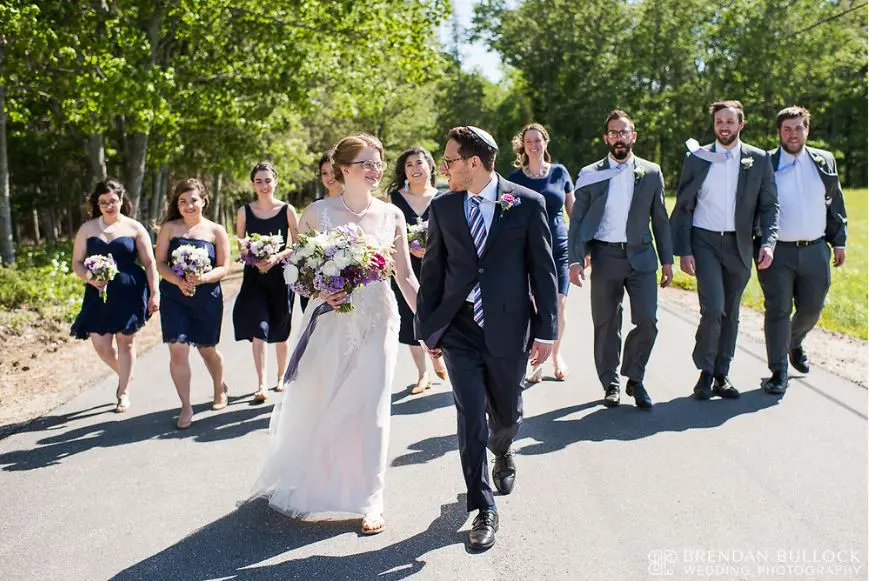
x,y
357,214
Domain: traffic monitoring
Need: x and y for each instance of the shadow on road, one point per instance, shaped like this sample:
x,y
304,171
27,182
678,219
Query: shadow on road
x,y
404,404
233,547
553,432
62,441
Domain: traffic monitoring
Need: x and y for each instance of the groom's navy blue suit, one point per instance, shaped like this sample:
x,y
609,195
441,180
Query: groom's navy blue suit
x,y
486,365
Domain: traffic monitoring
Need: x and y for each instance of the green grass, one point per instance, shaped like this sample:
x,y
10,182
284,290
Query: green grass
x,y
846,309
41,282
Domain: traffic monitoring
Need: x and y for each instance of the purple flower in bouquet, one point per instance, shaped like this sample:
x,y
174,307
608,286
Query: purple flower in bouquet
x,y
417,235
101,267
189,259
258,247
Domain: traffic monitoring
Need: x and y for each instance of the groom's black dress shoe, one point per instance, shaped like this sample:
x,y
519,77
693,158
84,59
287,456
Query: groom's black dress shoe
x,y
482,535
799,360
611,395
641,397
723,388
504,473
777,384
703,387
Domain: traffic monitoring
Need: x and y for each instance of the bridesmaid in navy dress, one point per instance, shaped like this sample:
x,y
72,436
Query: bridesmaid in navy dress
x,y
191,309
131,297
552,180
327,176
264,307
412,190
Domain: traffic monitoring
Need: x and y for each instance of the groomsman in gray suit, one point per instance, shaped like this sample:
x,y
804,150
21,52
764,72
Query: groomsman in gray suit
x,y
812,219
616,199
726,196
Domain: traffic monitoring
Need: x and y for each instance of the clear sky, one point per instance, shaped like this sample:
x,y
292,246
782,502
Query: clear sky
x,y
477,55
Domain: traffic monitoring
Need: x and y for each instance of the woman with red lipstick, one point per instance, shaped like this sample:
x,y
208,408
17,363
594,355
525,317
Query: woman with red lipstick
x,y
264,306
130,297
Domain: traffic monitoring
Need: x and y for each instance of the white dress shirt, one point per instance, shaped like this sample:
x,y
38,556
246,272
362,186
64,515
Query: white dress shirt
x,y
614,222
716,199
801,193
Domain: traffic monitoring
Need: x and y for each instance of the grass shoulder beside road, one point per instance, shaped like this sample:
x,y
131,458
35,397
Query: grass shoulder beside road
x,y
846,309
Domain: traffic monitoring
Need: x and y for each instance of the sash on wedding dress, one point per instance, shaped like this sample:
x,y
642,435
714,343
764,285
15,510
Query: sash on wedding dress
x,y
302,344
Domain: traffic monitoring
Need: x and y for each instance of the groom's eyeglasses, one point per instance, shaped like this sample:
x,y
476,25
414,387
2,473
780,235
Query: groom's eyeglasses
x,y
447,163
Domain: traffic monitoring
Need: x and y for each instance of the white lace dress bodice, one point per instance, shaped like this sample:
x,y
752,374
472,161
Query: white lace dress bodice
x,y
328,436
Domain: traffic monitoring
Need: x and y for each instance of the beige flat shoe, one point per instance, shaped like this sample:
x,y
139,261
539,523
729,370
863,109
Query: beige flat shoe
x,y
182,423
222,401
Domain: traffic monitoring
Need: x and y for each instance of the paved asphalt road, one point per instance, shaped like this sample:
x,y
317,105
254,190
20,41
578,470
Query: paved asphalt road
x,y
757,488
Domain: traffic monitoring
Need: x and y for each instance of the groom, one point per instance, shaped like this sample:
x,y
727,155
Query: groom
x,y
487,256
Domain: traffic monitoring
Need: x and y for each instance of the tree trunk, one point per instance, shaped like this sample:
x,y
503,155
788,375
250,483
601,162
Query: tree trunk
x,y
7,248
158,191
137,150
216,186
96,154
36,237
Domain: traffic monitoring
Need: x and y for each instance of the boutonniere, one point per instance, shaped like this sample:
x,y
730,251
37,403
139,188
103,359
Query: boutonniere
x,y
747,162
639,172
818,159
508,201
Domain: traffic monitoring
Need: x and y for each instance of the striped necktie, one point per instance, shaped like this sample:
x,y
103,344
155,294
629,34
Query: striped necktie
x,y
478,233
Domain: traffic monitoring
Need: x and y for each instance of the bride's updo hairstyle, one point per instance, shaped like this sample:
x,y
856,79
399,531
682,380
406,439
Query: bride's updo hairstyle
x,y
348,148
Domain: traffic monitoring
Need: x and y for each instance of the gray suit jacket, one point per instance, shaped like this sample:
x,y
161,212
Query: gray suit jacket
x,y
647,206
837,221
756,202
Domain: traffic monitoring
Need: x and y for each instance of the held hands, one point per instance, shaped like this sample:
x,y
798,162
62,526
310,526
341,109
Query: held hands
x,y
687,265
540,352
838,257
577,274
435,352
666,275
764,258
418,253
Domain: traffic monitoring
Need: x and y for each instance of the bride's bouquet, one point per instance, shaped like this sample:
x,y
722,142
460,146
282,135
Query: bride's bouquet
x,y
190,259
257,247
342,258
101,267
417,234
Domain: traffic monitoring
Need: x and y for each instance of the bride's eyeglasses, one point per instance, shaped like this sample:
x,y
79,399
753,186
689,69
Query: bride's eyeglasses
x,y
369,165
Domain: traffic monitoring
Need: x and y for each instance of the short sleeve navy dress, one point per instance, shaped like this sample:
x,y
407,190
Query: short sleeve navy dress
x,y
192,320
406,335
553,188
264,305
126,308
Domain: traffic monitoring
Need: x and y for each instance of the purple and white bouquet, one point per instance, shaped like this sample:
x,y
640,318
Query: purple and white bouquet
x,y
417,234
342,258
101,267
190,259
257,247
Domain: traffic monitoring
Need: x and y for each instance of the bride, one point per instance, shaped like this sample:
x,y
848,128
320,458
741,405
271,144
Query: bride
x,y
328,436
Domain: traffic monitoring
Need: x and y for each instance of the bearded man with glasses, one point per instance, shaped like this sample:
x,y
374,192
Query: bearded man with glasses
x,y
617,198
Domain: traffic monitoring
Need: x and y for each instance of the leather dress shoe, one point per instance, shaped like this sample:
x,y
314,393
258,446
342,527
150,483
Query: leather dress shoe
x,y
723,388
777,384
799,360
611,395
641,397
504,473
482,535
703,387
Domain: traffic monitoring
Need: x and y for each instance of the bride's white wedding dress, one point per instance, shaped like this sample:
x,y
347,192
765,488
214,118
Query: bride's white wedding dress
x,y
328,436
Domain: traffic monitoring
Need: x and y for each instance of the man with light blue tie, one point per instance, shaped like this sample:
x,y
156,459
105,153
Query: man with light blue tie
x,y
812,220
616,200
726,198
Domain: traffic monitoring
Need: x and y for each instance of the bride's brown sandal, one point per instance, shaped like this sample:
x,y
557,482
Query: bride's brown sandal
x,y
375,519
222,400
